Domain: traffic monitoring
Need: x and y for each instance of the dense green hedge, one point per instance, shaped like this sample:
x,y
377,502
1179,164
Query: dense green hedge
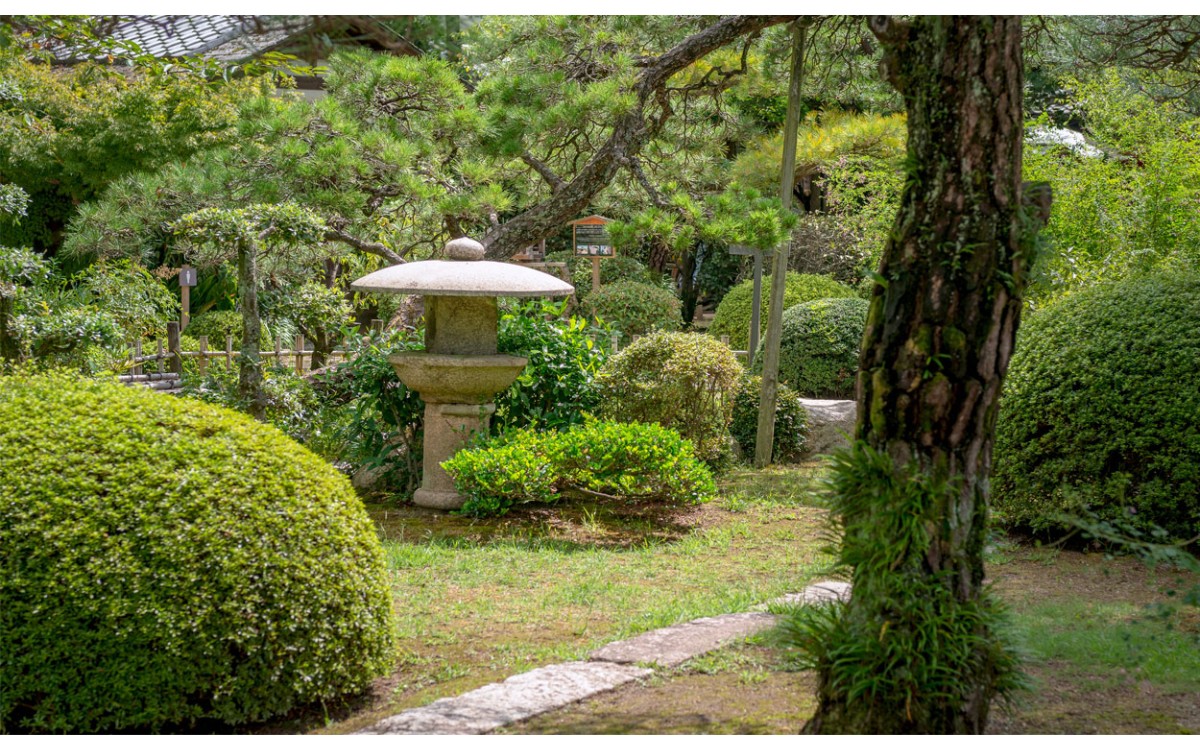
x,y
634,308
791,421
732,317
167,561
818,350
217,324
604,460
1101,409
685,381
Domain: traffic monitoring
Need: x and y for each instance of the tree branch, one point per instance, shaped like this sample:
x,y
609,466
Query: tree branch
x,y
556,183
372,248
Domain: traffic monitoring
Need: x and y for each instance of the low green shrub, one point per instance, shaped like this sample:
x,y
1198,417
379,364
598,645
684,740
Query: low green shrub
x,y
607,460
791,421
635,309
684,381
732,316
612,270
218,324
1101,409
558,386
167,562
819,347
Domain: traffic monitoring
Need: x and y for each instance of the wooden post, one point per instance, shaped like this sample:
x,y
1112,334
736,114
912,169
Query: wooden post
x,y
377,325
161,360
299,355
616,338
765,439
185,304
756,306
228,352
595,273
173,347
203,355
137,357
279,351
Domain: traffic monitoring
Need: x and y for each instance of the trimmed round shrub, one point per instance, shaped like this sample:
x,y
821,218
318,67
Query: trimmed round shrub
x,y
634,308
217,324
1101,409
685,381
819,346
167,561
732,317
791,421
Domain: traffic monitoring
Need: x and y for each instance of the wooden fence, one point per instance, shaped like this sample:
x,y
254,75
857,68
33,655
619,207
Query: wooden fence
x,y
163,370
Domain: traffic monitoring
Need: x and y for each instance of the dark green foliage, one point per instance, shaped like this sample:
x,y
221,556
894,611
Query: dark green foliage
x,y
904,645
791,421
606,460
634,308
385,429
218,324
166,562
732,317
622,267
818,351
685,381
558,386
1101,409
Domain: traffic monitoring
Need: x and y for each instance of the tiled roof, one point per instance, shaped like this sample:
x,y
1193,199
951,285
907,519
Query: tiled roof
x,y
224,38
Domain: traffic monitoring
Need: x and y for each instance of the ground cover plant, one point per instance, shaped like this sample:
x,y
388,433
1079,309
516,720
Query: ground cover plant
x,y
168,562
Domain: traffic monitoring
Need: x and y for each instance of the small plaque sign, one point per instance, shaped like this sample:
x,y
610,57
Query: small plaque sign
x,y
591,237
187,276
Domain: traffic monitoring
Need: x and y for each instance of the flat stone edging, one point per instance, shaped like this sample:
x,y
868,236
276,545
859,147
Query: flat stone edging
x,y
544,689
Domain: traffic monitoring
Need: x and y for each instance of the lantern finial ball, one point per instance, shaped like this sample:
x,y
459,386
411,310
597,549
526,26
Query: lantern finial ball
x,y
464,248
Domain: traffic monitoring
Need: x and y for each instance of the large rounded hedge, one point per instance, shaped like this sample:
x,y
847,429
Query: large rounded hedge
x,y
634,308
1101,409
166,561
732,317
684,381
818,349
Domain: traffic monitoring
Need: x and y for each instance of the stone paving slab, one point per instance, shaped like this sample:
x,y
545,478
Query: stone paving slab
x,y
517,698
672,646
818,593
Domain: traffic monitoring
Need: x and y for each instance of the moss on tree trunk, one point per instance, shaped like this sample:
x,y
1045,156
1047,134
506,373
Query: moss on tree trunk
x,y
937,343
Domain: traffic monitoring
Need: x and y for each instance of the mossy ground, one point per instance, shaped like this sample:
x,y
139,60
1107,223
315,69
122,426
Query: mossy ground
x,y
479,600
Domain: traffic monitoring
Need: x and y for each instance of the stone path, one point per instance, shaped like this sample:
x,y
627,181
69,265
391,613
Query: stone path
x,y
531,693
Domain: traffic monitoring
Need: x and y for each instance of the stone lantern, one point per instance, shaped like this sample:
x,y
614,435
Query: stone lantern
x,y
460,371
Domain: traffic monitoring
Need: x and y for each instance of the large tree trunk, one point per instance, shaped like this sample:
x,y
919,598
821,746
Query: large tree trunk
x,y
937,344
250,375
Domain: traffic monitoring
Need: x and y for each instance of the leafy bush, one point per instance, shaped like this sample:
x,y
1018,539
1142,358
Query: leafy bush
x,y
732,317
634,308
1100,409
558,386
168,562
791,421
612,270
609,460
684,381
818,350
218,324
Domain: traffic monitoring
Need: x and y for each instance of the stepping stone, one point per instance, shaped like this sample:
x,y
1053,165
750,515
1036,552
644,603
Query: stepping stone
x,y
817,593
517,698
829,422
670,647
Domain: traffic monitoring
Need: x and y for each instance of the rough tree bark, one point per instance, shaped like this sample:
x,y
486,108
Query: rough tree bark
x,y
943,321
250,375
630,132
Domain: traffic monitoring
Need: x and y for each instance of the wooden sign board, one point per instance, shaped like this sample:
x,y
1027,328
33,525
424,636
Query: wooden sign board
x,y
590,238
187,276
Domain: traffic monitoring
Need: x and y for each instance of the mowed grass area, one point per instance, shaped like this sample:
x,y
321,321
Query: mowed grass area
x,y
1108,651
479,600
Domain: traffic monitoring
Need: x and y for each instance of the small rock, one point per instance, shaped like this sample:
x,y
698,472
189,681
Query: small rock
x,y
830,422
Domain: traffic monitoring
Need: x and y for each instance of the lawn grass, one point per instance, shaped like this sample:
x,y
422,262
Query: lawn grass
x,y
478,600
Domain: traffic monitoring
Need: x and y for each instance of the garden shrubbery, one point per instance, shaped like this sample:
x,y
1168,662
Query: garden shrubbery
x,y
609,460
685,381
732,317
167,561
634,308
818,351
1101,409
791,421
217,324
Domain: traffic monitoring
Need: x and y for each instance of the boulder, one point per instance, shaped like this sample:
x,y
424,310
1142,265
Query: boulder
x,y
830,423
